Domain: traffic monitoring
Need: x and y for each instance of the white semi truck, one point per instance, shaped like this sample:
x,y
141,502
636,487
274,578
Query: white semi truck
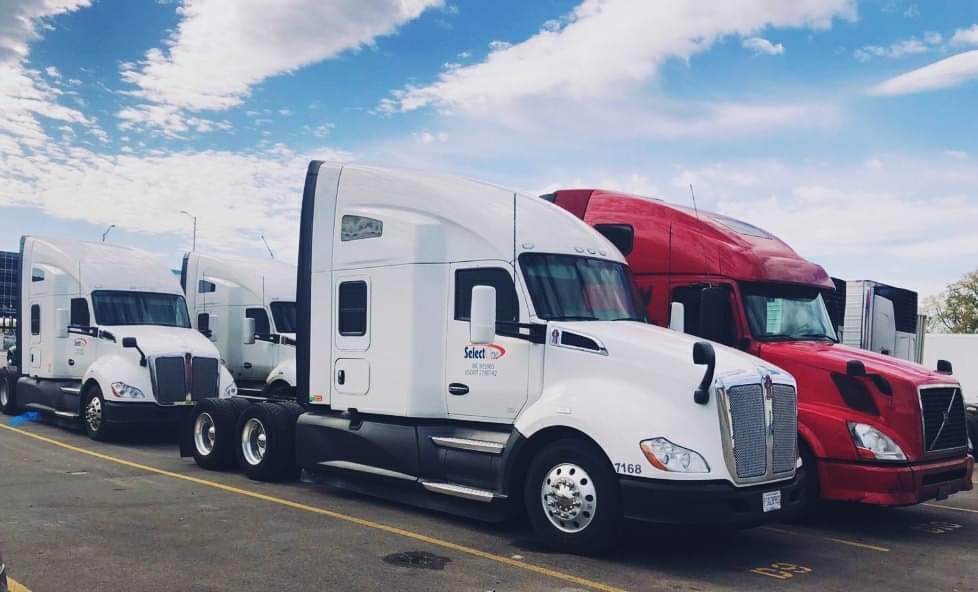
x,y
104,338
878,317
466,348
246,306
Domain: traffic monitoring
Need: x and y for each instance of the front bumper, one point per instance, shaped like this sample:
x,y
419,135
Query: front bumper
x,y
717,503
900,485
144,413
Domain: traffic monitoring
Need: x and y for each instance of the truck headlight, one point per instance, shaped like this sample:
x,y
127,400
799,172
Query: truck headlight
x,y
879,444
231,390
126,391
667,456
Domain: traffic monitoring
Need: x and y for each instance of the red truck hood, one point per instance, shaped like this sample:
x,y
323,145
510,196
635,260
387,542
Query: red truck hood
x,y
833,357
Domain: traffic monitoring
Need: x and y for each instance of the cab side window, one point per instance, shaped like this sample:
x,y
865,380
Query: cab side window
x,y
35,319
353,309
691,298
507,303
79,313
262,326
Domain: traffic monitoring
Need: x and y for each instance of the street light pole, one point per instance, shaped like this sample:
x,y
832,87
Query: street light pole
x,y
194,247
106,233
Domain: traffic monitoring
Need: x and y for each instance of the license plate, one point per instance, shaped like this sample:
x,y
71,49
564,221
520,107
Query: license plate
x,y
771,500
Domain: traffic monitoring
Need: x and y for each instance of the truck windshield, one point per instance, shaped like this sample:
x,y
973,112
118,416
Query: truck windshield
x,y
140,308
787,313
572,288
284,315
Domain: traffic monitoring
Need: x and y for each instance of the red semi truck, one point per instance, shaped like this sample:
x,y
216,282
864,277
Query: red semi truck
x,y
878,429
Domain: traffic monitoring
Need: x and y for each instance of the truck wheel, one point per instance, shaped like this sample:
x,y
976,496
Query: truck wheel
x,y
810,492
572,497
266,443
8,404
973,430
213,424
94,415
279,390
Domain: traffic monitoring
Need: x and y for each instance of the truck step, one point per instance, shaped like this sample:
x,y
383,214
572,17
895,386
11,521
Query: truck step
x,y
472,493
469,444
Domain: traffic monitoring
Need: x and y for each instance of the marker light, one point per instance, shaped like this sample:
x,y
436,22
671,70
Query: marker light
x,y
879,445
125,391
667,456
231,390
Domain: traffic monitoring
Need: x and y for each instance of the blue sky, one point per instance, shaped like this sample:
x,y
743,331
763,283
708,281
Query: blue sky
x,y
848,128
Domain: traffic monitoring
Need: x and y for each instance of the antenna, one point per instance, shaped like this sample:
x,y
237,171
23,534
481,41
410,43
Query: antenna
x,y
514,235
270,253
695,209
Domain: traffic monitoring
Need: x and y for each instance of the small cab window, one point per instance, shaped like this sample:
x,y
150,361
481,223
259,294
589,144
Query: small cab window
x,y
35,319
262,326
206,287
360,227
353,309
620,235
37,274
79,313
507,304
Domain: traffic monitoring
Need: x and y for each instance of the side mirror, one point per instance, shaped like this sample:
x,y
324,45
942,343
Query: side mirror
x,y
204,323
248,331
704,355
944,367
129,342
482,316
677,317
715,314
855,368
62,320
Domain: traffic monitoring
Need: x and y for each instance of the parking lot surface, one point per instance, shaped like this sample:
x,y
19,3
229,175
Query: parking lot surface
x,y
131,515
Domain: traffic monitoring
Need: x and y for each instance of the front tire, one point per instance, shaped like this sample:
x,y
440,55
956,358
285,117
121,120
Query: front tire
x,y
811,492
266,442
572,497
8,403
94,415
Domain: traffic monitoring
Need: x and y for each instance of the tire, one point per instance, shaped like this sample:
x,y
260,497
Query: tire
x,y
584,472
280,391
8,402
212,425
973,431
266,442
811,493
94,415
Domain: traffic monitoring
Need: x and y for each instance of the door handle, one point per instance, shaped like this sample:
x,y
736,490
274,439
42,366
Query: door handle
x,y
458,389
341,377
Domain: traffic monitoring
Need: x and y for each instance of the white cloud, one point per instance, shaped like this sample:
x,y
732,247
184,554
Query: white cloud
x,y
967,36
605,46
52,72
21,20
427,137
947,73
761,46
956,154
899,49
499,45
222,48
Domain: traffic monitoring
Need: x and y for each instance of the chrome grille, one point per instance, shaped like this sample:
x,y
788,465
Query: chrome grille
x,y
943,414
785,414
749,441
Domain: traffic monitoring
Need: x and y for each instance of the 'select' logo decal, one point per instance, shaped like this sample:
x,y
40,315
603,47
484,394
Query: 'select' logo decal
x,y
484,352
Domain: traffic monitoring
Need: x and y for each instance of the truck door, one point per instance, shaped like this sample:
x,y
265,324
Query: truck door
x,y
484,381
258,358
351,366
37,343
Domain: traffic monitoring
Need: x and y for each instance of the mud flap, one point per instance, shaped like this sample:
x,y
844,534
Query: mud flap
x,y
185,434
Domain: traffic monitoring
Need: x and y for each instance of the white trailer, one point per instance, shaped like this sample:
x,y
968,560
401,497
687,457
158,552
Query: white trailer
x,y
466,348
246,306
878,317
957,354
104,338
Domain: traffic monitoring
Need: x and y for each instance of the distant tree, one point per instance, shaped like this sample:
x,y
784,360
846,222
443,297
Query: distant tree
x,y
956,309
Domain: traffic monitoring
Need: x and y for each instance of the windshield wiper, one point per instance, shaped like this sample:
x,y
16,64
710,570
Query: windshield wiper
x,y
575,318
816,336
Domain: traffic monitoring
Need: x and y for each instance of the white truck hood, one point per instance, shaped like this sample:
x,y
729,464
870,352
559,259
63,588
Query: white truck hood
x,y
156,340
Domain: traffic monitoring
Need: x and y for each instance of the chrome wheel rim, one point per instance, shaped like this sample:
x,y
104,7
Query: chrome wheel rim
x,y
4,395
93,414
254,441
569,498
205,434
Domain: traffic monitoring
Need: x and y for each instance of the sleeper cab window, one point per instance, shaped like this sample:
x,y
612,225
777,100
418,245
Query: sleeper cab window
x,y
262,326
507,304
360,227
353,309
37,274
206,287
79,313
35,319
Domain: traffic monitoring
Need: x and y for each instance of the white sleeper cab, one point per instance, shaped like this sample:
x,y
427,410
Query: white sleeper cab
x,y
470,349
104,338
246,306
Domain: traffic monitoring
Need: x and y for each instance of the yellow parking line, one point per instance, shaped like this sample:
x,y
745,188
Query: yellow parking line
x,y
16,586
537,569
827,538
970,511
